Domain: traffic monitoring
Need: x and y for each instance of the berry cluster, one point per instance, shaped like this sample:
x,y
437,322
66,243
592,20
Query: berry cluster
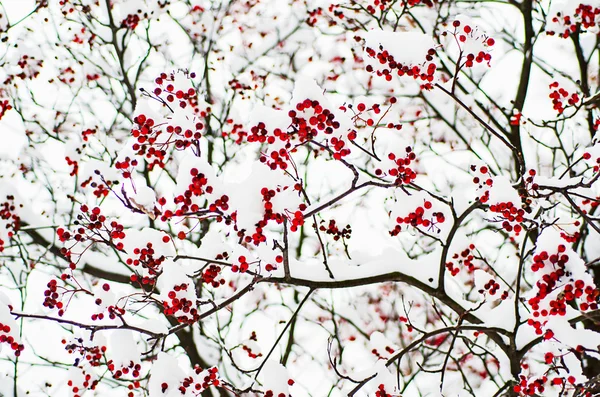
x,y
6,337
242,265
198,383
147,131
92,227
250,353
515,118
511,216
183,98
211,274
126,166
559,95
131,21
424,71
380,5
310,117
101,188
474,46
146,135
146,258
86,133
296,218
132,369
199,186
181,307
93,355
463,259
113,311
421,216
491,287
4,107
30,69
531,387
51,299
401,169
10,221
585,16
332,229
554,276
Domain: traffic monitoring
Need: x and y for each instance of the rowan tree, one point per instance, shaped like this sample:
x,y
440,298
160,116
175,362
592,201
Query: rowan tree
x,y
299,198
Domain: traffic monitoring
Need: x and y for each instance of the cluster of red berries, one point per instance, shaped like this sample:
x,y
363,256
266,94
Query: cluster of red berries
x,y
401,170
146,136
424,71
113,311
184,98
419,217
592,203
51,299
296,218
66,75
470,34
196,386
199,186
85,134
132,368
211,274
530,388
12,222
559,96
93,227
276,159
378,5
5,337
79,390
491,287
91,354
131,21
585,16
242,265
313,16
310,117
332,229
511,215
180,307
237,133
553,265
4,107
126,166
102,188
146,258
30,69
463,259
